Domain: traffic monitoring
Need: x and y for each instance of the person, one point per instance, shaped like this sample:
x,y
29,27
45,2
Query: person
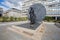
x,y
32,17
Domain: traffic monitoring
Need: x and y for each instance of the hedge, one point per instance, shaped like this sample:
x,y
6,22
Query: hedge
x,y
9,19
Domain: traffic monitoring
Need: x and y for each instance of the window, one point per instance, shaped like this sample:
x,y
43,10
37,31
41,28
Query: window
x,y
52,5
59,4
43,0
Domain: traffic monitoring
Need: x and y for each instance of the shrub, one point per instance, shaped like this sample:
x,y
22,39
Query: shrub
x,y
9,19
24,18
49,19
12,19
4,19
1,19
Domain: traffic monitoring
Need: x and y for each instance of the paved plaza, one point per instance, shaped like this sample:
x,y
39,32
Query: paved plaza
x,y
51,32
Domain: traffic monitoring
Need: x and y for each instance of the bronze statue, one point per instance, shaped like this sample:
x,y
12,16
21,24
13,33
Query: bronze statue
x,y
32,16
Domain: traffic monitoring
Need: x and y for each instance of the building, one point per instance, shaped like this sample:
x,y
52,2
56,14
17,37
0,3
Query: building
x,y
52,7
1,12
13,13
53,10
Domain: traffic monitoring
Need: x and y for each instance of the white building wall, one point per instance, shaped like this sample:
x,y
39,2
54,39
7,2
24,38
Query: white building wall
x,y
14,14
50,10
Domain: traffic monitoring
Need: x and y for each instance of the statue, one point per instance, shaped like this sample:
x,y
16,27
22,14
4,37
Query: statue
x,y
36,13
32,17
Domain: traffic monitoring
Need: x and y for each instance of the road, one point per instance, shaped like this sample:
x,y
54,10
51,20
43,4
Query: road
x,y
51,33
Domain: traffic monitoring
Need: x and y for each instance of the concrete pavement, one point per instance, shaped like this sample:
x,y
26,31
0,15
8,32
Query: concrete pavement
x,y
13,23
51,33
6,34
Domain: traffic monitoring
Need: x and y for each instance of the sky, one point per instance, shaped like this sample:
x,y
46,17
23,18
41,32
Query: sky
x,y
6,4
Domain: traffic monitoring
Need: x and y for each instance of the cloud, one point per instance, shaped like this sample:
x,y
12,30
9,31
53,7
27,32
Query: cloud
x,y
4,8
13,4
18,5
8,4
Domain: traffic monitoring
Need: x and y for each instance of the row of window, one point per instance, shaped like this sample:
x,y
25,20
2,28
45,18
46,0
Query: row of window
x,y
53,13
54,5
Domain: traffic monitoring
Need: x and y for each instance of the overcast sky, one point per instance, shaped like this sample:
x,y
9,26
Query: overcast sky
x,y
6,4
